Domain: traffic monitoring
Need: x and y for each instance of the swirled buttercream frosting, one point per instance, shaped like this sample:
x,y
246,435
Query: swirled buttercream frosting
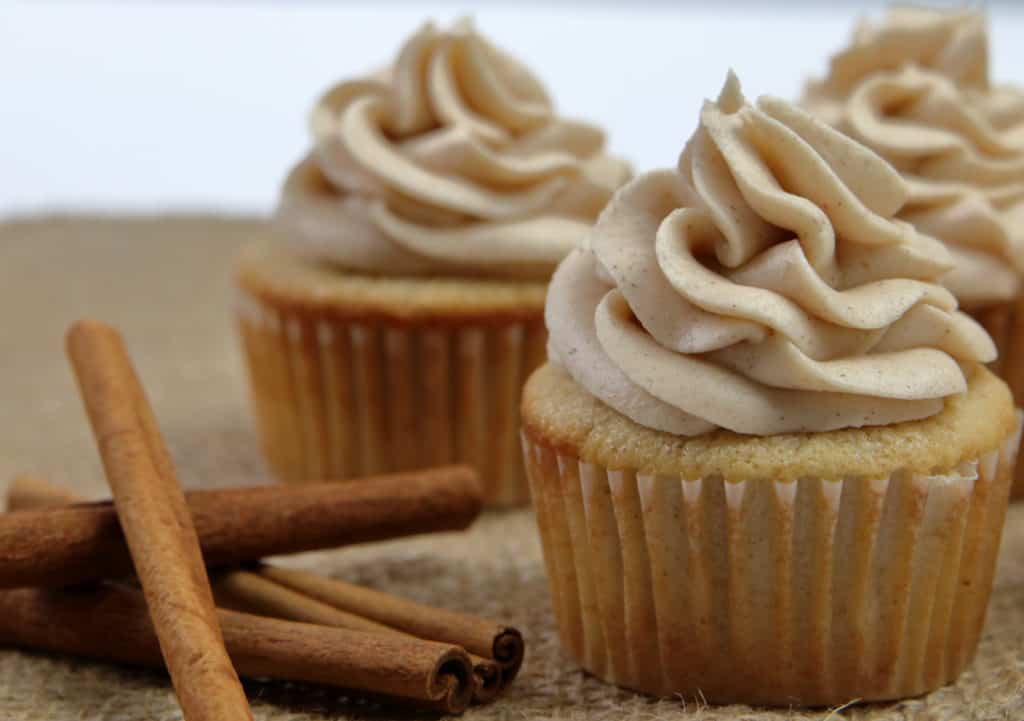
x,y
763,286
952,43
451,161
964,166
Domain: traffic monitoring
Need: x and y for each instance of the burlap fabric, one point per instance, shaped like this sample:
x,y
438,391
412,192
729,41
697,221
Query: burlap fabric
x,y
165,282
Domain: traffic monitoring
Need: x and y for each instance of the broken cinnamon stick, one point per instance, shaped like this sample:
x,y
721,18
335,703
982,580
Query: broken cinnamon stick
x,y
109,622
82,543
477,635
157,526
250,592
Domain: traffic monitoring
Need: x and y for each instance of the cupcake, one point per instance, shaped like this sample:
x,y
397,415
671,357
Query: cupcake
x,y
392,321
959,143
768,463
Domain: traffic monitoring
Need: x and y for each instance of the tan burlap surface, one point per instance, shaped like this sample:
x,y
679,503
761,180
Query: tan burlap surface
x,y
165,282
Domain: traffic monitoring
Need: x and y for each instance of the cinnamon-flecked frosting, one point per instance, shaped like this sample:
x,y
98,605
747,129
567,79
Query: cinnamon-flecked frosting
x,y
452,161
916,89
964,166
952,43
763,286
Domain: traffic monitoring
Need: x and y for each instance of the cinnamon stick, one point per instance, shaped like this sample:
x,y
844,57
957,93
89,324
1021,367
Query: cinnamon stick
x,y
82,543
250,592
110,622
256,592
157,527
479,636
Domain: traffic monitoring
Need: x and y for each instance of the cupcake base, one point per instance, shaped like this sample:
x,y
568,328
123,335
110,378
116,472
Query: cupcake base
x,y
1005,323
807,591
353,375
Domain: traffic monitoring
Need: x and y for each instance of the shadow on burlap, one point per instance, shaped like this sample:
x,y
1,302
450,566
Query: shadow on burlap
x,y
165,283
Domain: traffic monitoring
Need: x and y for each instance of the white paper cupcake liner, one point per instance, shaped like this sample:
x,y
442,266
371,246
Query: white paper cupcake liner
x,y
339,399
1005,323
814,592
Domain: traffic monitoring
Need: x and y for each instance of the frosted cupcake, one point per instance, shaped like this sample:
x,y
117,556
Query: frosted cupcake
x,y
393,323
959,143
768,463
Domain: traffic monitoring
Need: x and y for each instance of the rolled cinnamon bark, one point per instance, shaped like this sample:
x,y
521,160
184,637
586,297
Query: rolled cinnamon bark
x,y
479,636
110,623
250,592
157,526
253,591
82,543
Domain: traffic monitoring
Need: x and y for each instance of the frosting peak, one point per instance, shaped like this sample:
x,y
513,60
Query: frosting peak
x,y
452,160
763,286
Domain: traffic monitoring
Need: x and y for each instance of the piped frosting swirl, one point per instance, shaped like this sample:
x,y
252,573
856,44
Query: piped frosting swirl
x,y
964,165
452,161
764,286
951,43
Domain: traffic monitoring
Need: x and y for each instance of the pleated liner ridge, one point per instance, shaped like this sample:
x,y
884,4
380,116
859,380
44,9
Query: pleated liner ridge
x,y
336,399
813,592
1005,323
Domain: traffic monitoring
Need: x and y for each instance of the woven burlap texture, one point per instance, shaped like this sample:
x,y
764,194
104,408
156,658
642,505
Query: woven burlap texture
x,y
166,283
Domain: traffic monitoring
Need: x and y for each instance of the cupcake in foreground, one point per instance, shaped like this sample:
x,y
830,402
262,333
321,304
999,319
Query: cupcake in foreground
x,y
768,463
393,323
958,141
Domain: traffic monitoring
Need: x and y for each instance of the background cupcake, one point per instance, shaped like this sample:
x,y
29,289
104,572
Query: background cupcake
x,y
917,91
767,462
951,43
394,323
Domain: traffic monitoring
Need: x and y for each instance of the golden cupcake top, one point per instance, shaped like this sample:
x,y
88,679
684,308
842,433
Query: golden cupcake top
x,y
453,160
559,413
764,286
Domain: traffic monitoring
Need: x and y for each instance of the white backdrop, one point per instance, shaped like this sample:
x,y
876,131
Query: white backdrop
x,y
158,106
